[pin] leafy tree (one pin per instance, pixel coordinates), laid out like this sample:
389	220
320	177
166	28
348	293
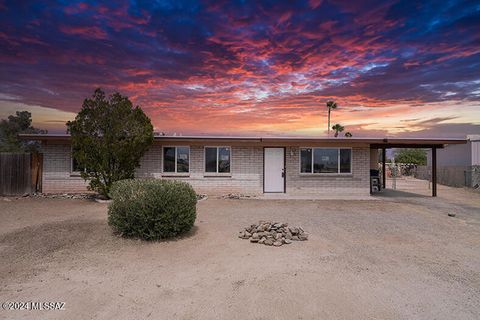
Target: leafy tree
330	105
413	156
380	157
11	127
109	137
338	128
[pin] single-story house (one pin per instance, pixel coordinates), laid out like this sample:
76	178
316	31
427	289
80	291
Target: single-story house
246	165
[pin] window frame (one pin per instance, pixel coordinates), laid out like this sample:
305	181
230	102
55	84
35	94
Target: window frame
338	173
216	173
176	159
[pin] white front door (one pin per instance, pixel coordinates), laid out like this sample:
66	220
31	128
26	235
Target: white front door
274	170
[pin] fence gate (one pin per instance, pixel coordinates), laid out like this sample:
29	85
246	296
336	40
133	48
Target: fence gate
20	173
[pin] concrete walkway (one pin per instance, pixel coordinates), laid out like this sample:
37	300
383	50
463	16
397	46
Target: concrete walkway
286	196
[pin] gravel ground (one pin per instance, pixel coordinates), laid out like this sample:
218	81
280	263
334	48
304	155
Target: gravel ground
398	258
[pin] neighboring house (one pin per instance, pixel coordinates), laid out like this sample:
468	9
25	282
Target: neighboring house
458	165
246	165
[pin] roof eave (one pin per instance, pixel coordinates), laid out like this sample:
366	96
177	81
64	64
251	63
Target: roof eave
380	142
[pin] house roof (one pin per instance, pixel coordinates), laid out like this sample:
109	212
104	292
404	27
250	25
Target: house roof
374	142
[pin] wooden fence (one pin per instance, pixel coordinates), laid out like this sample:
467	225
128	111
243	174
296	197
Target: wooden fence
20	173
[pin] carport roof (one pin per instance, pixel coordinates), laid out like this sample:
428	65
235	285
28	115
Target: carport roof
375	142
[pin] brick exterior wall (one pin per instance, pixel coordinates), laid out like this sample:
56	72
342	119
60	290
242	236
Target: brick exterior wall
57	176
246	168
246	172
357	183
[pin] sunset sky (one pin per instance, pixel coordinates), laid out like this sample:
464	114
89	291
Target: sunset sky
249	67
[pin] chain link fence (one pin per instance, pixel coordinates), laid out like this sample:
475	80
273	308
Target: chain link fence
454	176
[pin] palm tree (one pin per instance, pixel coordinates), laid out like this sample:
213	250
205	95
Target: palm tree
338	128
330	105
348	134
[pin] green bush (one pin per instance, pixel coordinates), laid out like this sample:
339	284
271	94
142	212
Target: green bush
152	209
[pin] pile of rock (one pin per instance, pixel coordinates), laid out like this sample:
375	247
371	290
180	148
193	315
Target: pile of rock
273	233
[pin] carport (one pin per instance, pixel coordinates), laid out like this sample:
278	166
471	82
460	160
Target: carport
420	143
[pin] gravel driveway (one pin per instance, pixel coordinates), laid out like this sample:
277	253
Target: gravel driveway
397	258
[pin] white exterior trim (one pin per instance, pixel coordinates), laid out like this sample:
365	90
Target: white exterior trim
216	173
176	173
338	173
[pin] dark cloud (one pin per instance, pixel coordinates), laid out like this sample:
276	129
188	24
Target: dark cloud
243	59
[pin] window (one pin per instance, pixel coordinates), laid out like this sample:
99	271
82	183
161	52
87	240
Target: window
325	160
176	159
306	160
217	159
345	160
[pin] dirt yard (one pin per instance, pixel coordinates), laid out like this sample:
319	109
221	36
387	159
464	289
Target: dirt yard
400	257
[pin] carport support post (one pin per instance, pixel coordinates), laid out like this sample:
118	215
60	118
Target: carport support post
434	171
384	173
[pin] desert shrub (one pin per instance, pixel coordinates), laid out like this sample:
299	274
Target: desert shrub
152	209
109	137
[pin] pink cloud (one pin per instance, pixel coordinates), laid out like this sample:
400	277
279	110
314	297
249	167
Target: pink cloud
91	32
315	3
76	8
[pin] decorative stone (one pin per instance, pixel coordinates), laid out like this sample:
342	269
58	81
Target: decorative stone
268	242
273	233
303	237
